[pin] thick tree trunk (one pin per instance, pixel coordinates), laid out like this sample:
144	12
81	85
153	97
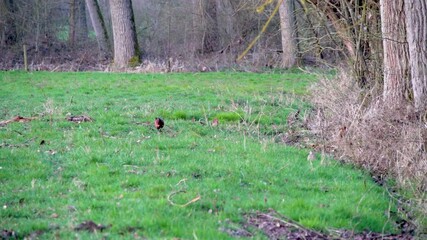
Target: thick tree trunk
396	68
416	27
81	22
77	22
72	24
225	21
211	36
197	23
98	24
287	28
126	50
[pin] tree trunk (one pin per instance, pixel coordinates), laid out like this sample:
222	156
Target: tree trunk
196	43
211	37
98	24
416	22
396	69
72	24
126	50
81	23
287	28
225	22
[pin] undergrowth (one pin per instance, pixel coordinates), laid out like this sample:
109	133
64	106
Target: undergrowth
389	141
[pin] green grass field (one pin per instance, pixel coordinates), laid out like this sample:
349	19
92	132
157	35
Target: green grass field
119	171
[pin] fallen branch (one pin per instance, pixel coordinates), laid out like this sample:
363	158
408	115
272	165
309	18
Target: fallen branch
181	205
16	119
287	221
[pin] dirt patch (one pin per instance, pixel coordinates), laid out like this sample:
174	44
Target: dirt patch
7	234
276	226
90	226
35	235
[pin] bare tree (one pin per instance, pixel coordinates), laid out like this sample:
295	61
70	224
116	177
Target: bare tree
196	27
416	22
99	27
354	24
126	50
287	29
211	36
396	68
72	23
81	21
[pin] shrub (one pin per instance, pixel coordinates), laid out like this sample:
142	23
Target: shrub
389	141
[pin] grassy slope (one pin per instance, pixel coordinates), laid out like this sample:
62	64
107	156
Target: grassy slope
118	170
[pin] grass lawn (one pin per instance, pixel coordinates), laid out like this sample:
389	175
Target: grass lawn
188	181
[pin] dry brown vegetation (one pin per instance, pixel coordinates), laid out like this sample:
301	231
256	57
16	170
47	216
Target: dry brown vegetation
389	141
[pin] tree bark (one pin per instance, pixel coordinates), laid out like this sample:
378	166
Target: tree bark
395	65
287	28
77	21
126	50
211	36
99	27
416	27
197	23
72	24
81	22
225	22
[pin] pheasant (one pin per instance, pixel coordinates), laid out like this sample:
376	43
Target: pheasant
215	122
159	123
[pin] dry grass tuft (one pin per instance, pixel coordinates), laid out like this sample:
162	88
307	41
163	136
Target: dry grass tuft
389	141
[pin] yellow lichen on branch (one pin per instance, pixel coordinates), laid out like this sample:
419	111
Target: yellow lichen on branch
264	28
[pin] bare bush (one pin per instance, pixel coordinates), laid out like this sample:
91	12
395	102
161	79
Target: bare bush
389	141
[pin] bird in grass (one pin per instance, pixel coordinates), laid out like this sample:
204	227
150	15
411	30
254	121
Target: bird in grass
215	122
159	123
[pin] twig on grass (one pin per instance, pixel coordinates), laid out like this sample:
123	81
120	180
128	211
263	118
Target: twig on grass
182	180
286	221
182	205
